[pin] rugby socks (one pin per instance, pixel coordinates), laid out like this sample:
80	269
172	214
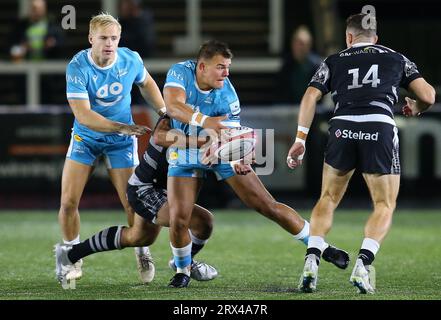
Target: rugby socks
72	242
140	251
315	245
369	249
197	244
105	240
303	235
182	258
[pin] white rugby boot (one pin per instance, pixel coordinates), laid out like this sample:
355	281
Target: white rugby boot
63	266
363	277
308	280
146	267
200	271
76	272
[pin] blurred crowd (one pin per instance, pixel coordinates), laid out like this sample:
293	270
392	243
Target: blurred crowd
38	36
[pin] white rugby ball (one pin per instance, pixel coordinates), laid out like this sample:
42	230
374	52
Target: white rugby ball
236	143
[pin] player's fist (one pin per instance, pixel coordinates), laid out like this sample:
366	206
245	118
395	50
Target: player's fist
295	154
241	169
410	108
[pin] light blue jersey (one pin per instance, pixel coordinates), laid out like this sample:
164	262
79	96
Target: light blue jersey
215	102
107	88
108	91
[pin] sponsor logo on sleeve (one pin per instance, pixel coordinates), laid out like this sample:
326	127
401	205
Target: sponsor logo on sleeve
235	107
176	75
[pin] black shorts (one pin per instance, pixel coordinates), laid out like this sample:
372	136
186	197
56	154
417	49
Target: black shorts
371	147
146	200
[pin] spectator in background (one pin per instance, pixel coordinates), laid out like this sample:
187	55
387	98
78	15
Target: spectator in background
138	32
298	67
36	37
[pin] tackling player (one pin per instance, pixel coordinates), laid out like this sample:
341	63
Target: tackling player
363	80
99	81
147	195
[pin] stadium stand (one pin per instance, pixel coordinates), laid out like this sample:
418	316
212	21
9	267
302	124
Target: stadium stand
247	29
76	39
246	32
7	13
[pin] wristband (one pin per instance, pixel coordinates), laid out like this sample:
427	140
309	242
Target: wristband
302	133
305	130
204	117
163	110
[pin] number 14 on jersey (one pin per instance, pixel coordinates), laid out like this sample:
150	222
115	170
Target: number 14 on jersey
371	77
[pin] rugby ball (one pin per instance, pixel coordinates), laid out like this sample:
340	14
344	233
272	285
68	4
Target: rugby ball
235	144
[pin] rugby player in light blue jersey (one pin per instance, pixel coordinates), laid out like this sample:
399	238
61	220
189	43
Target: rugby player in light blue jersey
198	94
99	81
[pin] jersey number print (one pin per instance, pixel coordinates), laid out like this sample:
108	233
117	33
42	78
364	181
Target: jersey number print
371	77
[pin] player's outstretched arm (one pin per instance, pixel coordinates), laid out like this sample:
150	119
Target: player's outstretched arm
132	129
177	109
306	115
151	93
93	120
425	97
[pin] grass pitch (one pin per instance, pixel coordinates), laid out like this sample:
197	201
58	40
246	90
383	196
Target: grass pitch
256	259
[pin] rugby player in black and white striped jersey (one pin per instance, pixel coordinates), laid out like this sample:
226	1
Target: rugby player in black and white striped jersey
363	81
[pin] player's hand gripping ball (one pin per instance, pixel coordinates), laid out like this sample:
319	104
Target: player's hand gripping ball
233	144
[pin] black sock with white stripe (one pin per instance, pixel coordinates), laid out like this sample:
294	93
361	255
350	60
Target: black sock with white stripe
105	240
366	256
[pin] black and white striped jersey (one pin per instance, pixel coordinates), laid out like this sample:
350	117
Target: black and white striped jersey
364	79
153	166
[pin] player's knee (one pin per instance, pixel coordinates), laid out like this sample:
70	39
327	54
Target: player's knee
68	205
385	205
329	199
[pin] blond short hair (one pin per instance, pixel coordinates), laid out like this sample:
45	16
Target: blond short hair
102	20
